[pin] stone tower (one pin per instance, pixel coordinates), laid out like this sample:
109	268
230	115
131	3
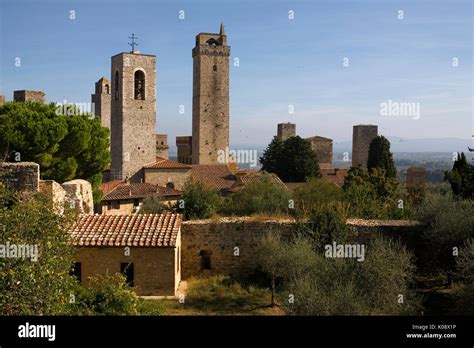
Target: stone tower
101	101
26	96
133	118
210	97
362	135
286	130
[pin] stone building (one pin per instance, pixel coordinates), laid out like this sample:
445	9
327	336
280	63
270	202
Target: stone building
2	100
127	198
322	147
133	114
185	149
362	135
162	148
146	248
25	96
286	130
416	176
167	173
101	101
210	129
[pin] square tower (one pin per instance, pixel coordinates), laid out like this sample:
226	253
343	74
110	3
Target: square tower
133	119
286	130
362	136
101	101
210	133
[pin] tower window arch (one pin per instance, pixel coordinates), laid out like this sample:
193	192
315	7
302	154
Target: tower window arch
116	85
106	87
212	42
139	85
214	68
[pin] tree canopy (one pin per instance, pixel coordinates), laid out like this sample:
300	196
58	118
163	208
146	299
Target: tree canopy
66	145
381	157
292	160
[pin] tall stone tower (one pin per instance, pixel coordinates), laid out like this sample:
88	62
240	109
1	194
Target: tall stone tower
210	97
101	101
286	130
133	120
362	135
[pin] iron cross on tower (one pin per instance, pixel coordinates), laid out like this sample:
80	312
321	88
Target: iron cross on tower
133	43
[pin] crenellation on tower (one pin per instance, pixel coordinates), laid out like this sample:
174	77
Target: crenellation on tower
210	129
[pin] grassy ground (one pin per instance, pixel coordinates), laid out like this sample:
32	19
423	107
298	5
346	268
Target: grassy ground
215	295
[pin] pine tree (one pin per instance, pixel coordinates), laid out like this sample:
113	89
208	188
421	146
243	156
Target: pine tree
381	157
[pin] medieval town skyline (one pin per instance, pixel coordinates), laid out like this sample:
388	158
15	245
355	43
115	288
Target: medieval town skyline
288	63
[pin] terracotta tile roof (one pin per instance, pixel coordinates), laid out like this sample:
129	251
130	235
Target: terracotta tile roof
138	190
162	163
217	176
106	187
137	230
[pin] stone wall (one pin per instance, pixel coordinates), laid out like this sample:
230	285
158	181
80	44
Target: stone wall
20	176
55	193
219	238
161	177
79	196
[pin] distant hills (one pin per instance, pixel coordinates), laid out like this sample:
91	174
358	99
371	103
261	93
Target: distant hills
399	144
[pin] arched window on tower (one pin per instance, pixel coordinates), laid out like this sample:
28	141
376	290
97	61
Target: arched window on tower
212	42
214	68
139	85
106	89
116	86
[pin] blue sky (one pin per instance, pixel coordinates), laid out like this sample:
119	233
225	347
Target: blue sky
282	61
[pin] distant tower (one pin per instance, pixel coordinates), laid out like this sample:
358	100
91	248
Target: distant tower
362	135
286	130
101	101
210	131
162	148
25	96
133	119
185	149
322	147
2	100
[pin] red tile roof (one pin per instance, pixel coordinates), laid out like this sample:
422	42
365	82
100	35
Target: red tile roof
108	186
162	163
137	230
217	176
139	190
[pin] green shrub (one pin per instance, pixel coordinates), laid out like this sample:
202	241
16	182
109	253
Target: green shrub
198	201
315	194
262	197
154	205
312	284
106	295
450	222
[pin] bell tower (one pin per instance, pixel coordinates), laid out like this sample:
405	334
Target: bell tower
133	114
210	131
